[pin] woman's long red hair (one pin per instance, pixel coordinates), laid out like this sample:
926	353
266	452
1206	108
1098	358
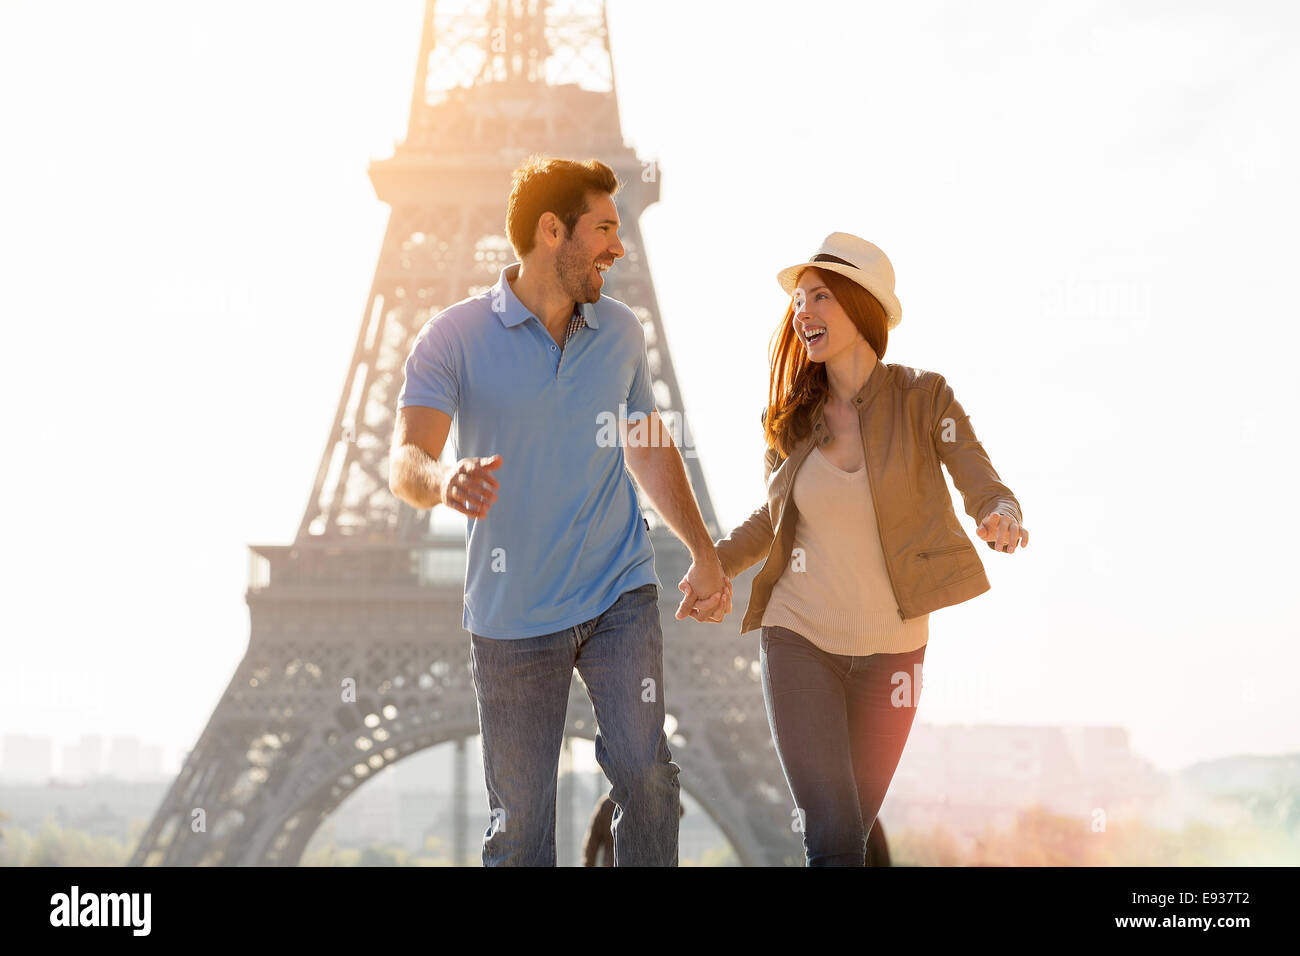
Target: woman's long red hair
797	384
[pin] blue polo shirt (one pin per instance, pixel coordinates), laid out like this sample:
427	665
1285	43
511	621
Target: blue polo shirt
565	536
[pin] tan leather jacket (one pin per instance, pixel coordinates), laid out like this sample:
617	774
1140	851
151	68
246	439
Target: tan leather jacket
910	422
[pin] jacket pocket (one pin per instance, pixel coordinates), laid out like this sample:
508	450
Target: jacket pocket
952	550
947	566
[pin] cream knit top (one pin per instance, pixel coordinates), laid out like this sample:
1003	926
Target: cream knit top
835	591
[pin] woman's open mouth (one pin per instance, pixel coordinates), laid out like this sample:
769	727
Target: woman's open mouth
812	336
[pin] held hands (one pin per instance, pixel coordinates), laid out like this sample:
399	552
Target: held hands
1003	532
705	577
468	486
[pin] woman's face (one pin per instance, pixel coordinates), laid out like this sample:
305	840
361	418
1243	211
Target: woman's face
822	325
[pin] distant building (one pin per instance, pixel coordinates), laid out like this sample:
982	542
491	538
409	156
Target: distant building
124	758
104	807
83	760
969	777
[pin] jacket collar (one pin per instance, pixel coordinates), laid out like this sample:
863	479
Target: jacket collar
512	312
875	381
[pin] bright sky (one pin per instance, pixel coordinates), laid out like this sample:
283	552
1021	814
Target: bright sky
1090	212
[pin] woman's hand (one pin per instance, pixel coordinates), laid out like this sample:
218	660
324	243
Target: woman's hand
703	609
704	606
1003	532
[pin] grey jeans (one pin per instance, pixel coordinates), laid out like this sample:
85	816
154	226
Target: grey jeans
522	688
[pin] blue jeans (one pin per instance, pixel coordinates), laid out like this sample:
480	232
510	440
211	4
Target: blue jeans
839	736
522	688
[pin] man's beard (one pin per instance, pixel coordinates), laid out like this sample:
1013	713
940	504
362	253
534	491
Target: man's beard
574	269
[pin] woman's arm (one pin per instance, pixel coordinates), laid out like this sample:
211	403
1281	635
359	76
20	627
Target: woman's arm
749	541
972	472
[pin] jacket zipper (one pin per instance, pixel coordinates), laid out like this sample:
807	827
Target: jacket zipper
785	503
789	493
926	554
875	506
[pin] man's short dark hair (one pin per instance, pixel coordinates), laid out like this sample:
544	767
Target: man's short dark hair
560	186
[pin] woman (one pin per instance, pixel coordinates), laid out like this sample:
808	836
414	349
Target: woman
860	539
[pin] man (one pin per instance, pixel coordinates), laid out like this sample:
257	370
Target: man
560	569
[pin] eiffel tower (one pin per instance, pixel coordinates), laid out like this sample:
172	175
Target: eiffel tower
368	596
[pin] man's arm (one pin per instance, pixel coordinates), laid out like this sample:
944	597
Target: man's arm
430	395
656	464
416	476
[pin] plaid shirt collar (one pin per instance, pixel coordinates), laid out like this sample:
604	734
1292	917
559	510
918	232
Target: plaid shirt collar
575	323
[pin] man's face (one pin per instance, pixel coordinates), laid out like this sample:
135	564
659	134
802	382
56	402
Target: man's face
592	248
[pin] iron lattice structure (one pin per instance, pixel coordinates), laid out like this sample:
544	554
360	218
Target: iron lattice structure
369	595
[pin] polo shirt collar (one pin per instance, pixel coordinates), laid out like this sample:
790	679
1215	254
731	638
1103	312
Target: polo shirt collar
513	311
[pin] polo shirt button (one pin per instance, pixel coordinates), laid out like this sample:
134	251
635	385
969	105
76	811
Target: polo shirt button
552	348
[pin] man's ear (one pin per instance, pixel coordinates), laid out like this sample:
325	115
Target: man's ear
550	231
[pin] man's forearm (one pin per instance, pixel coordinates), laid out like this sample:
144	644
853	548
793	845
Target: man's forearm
416	477
661	473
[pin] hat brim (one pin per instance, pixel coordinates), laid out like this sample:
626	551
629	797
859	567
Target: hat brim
789	278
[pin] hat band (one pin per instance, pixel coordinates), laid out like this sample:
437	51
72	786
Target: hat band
827	257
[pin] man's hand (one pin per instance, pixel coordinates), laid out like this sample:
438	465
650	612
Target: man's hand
468	486
702	611
705	577
1003	532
